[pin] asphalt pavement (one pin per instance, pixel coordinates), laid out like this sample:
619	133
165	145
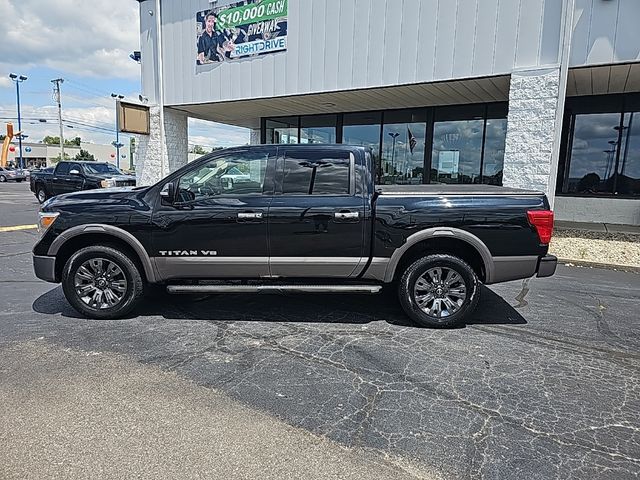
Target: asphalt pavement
544	383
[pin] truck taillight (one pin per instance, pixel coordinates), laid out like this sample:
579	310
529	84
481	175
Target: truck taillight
542	221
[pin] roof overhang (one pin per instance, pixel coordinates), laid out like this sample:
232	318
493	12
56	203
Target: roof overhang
247	113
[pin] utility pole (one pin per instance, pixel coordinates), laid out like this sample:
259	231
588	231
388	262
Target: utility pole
56	98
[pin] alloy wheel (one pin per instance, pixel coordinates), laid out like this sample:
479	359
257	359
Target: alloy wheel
440	292
100	283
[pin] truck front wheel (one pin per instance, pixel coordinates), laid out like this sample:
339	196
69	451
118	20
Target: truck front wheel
101	282
41	194
439	291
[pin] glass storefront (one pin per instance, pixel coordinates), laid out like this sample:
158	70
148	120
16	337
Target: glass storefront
601	147
458	144
318	129
403	145
363	129
282	130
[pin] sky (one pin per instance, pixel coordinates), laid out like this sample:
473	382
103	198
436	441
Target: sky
88	45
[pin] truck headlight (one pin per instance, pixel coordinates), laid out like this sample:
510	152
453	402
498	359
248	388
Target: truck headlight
108	183
45	220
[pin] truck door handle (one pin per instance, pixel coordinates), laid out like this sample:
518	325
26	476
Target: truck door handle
246	215
346	215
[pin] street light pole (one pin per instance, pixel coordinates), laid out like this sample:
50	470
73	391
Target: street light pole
393	135
57	98
18	79
117	143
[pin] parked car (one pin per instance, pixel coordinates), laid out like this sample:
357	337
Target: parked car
308	219
12	175
70	176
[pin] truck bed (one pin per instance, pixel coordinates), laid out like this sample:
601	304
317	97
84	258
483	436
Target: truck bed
447	189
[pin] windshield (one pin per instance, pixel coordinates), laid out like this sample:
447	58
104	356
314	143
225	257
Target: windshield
101	168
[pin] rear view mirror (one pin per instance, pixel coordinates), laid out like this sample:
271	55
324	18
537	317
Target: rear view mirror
168	193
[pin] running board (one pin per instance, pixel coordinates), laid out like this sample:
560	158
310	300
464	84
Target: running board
177	289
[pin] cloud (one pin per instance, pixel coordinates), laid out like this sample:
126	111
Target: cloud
5	82
84	38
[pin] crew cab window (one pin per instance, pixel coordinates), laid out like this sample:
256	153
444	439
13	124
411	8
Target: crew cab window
63	169
102	168
316	173
241	173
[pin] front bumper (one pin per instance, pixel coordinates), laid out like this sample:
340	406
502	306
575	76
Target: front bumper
45	268
547	266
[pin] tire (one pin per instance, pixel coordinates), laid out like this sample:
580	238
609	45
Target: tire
89	266
41	194
3	179
429	301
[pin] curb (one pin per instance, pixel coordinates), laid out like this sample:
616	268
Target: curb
605	266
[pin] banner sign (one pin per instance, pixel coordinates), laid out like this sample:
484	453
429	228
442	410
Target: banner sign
240	30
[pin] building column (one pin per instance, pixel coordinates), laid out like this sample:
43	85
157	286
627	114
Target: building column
255	136
157	157
533	131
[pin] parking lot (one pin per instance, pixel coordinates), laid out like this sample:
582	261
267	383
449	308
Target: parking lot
545	383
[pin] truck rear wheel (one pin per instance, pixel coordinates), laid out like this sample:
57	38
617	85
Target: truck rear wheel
439	291
101	282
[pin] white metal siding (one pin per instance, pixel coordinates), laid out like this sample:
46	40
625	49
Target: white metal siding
346	44
606	31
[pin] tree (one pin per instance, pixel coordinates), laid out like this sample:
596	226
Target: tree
2	137
197	149
57	159
84	156
49	140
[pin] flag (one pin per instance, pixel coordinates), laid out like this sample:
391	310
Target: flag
412	140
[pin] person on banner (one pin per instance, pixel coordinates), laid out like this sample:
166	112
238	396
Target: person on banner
209	42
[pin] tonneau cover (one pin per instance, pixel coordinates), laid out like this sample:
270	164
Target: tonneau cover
446	189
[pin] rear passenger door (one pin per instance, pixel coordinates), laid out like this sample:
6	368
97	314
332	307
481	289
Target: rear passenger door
316	219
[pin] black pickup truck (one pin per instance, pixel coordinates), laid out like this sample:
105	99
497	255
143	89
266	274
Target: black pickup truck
68	177
297	218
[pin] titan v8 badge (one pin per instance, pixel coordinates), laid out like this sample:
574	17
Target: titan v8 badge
188	253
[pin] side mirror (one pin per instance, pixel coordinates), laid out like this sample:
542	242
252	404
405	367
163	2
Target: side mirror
168	193
74	172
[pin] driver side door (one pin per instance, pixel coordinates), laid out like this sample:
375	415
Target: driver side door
217	225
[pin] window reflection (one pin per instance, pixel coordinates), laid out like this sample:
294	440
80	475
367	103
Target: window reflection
456	153
628	181
494	143
403	144
318	129
282	130
363	129
593	153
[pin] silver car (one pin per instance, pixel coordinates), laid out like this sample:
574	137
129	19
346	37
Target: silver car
12	175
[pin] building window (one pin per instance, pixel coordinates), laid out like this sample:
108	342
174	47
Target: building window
403	146
601	147
363	129
458	144
318	129
282	130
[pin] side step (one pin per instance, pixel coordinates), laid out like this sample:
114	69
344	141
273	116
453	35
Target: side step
177	289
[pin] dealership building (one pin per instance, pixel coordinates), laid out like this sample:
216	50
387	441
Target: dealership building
537	94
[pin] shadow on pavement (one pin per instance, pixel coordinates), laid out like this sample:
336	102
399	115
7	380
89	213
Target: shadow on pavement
354	309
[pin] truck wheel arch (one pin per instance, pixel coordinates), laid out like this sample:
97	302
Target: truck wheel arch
425	236
106	231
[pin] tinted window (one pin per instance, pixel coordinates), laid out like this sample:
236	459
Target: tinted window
240	173
63	169
102	168
316	173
